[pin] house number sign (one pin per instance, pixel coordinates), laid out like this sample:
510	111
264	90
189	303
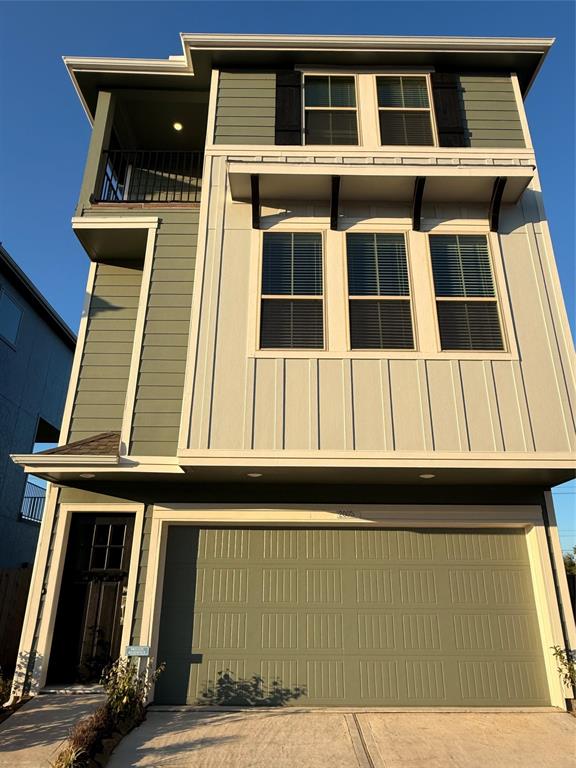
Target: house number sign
137	650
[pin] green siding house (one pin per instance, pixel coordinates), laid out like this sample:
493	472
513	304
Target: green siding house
324	380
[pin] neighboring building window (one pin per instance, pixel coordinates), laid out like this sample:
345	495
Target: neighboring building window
330	109
292	310
466	303
404	110
10	316
378	291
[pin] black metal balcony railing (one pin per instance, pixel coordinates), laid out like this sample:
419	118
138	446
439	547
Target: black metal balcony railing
146	176
33	502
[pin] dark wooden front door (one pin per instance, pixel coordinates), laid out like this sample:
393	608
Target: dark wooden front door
91	606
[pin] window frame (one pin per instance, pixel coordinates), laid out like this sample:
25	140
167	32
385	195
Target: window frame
429	109
304	297
408	297
497	298
357	109
5	339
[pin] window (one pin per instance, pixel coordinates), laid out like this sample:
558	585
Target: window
292	310
107	546
330	109
466	302
378	292
10	316
404	110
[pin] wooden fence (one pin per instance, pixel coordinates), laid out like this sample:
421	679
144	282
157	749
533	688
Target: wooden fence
14	585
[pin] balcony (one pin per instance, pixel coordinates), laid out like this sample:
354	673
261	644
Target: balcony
33	502
150	176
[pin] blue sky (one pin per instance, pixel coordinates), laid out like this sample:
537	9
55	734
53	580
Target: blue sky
44	133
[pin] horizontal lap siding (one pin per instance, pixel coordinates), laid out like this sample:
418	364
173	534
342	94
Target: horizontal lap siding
245	111
105	367
490	112
160	383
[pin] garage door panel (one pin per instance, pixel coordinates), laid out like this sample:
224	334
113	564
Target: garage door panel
355	616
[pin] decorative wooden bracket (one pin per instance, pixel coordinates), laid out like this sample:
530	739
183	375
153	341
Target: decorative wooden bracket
255	189
419	183
334	202
496	202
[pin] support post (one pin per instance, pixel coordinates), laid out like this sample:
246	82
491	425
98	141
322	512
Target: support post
255	190
334	202
496	202
99	141
419	183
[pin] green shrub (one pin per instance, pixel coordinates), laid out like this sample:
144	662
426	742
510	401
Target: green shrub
566	660
127	689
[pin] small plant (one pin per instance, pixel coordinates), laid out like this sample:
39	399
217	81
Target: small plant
68	757
566	660
127	689
252	692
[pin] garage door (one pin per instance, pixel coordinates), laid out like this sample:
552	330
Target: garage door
355	617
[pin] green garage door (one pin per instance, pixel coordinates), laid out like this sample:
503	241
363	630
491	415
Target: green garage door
356	617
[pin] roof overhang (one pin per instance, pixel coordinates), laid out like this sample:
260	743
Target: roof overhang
114	237
381	183
372	469
203	52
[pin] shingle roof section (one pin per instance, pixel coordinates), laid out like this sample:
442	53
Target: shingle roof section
104	444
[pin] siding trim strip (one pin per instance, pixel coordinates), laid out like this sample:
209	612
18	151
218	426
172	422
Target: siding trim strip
78	355
130	402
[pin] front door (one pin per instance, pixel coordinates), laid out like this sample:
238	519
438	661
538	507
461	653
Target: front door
91	606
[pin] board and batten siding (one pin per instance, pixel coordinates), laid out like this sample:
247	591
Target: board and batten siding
105	367
490	111
160	385
245	108
245	402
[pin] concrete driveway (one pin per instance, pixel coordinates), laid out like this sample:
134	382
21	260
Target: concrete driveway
286	738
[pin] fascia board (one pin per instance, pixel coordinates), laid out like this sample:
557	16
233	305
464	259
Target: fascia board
366	42
31	460
115	222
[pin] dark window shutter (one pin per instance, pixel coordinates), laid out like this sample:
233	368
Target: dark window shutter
288	107
449	113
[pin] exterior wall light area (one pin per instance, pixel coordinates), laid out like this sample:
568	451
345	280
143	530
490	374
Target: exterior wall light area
254	474
427	476
177	126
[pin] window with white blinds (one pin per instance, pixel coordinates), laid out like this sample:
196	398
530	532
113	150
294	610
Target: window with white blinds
292	305
378	291
330	109
404	110
466	302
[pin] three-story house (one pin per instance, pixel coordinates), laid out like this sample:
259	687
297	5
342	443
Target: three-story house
324	380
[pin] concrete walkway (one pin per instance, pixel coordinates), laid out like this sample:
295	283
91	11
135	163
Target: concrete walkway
287	738
32	736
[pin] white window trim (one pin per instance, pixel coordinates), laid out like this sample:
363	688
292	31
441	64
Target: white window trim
278	351
422	295
505	327
430	109
357	109
408	297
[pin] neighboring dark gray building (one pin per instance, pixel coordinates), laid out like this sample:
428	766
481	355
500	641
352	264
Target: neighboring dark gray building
36	351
